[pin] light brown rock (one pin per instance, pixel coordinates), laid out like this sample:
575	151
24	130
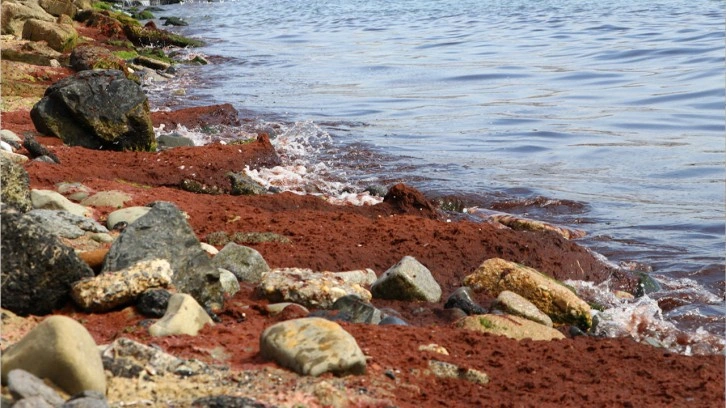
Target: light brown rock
60	37
183	316
514	327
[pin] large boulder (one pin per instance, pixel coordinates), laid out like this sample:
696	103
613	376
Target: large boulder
97	109
164	233
15	14
550	296
59	7
37	269
245	263
14	185
60	37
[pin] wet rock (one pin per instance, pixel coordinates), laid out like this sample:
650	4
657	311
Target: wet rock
37	269
526	224
23	384
63	351
407	280
60	37
242	184
514	327
551	297
97	109
358	310
512	303
15	15
310	289
51	200
38	150
111	198
463	298
174	21
110	290
406	199
127	215
230	284
312	346
65	224
245	263
164	233
152	63
646	284
226	401
183	316
149	35
153	302
14	185
442	369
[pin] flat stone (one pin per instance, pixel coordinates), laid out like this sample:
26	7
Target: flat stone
65	224
245	263
110	290
358	310
514	327
23	384
308	288
32	402
127	215
183	316
407	280
61	350
548	295
51	200
312	346
512	303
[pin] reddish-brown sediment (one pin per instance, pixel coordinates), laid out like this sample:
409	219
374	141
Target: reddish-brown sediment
583	371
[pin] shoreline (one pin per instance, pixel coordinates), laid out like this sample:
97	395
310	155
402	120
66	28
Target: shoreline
573	372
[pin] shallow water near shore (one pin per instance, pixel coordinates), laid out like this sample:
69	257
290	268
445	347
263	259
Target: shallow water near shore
607	118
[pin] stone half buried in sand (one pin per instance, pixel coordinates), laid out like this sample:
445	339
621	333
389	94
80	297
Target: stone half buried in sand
407	280
514	327
313	346
314	289
61	350
551	297
96	109
183	316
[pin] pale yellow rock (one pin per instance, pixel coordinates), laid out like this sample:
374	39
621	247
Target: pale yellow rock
551	297
514	327
183	316
61	350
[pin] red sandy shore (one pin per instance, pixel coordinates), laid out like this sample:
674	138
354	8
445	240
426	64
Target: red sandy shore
583	371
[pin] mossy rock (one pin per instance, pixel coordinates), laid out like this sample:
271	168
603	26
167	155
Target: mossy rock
148	36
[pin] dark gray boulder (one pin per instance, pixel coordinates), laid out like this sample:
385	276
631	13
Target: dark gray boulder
37	269
97	109
163	233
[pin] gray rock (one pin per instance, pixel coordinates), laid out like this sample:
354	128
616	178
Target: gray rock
392	321
442	369
37	150
63	351
64	224
153	302
97	109
110	290
73	190
111	198
308	288
164	233
407	280
227	401
9	136
32	402
229	282
514	304
242	184
183	316
358	310
51	200
312	346
14	185
127	215
82	401
127	358
245	263
23	384
463	298
37	269
173	140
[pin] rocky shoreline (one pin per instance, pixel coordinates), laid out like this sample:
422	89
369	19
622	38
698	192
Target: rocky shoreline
141	271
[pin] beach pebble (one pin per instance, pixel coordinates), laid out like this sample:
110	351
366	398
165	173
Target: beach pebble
23	384
51	200
110	290
32	402
74	191
183	316
87	399
8	136
229	282
392	321
310	289
153	302
442	369
407	280
357	310
463	298
512	303
562	305
63	351
14	157
245	263
312	346
514	327
127	215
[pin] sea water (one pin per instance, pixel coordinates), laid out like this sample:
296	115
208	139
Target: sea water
603	116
